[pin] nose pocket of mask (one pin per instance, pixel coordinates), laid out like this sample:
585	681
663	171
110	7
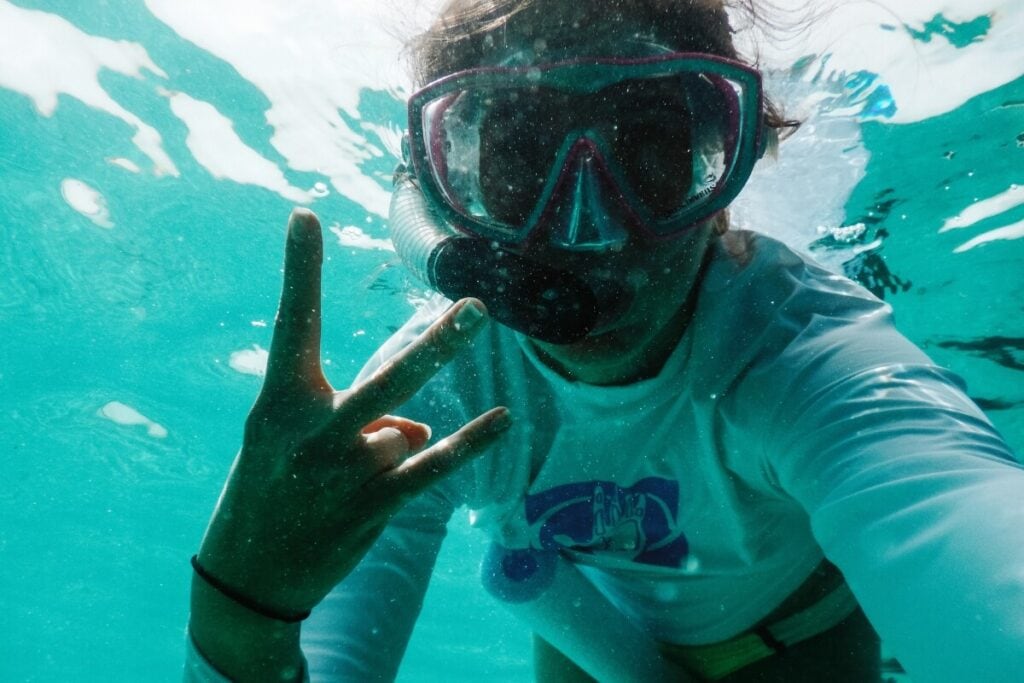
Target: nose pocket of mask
583	214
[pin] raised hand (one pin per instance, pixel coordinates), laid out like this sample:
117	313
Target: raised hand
320	471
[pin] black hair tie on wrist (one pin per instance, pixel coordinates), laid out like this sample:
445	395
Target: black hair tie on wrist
242	600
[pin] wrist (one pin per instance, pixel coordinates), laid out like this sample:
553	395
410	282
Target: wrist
242	644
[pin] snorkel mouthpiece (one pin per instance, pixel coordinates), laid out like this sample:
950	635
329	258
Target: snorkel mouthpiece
545	303
541	302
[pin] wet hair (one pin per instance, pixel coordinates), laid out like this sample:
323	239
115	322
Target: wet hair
467	33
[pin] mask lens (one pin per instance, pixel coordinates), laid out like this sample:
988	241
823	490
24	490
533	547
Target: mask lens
669	141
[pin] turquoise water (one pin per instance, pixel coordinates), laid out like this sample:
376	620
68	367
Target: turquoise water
140	273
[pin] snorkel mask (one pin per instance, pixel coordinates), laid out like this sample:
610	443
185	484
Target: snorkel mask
582	156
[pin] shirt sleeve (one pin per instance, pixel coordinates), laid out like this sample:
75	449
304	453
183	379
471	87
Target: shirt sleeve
359	632
919	501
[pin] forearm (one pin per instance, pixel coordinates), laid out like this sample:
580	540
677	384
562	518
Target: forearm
241	644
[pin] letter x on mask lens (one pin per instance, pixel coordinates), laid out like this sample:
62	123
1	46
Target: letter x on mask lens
581	153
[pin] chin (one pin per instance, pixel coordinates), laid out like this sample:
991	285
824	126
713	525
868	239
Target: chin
611	345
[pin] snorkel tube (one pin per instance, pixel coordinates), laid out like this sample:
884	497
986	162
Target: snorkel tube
542	302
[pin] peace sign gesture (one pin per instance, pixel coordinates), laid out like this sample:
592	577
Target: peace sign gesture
320	471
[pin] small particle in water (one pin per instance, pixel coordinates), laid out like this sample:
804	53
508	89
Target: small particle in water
1020	140
359	333
692	565
950	154
577	603
319	190
259	323
714	396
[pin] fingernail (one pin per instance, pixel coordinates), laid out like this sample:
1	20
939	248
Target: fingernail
302	222
502	420
469	316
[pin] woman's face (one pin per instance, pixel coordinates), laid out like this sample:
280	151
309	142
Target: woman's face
659	277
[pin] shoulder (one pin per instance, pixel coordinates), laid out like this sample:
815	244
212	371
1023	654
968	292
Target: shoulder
778	314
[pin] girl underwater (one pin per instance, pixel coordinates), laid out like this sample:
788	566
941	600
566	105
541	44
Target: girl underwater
697	455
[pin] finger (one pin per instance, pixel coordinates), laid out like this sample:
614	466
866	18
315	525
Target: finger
295	349
444	457
396	381
416	433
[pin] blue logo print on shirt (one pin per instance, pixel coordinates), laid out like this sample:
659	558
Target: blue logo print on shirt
599	516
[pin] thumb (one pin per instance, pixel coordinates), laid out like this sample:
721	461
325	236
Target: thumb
416	433
389	445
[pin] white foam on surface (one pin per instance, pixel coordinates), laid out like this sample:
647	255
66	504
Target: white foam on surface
987	208
1009	232
87	201
310	58
354	237
124	414
250	361
802	194
44	56
926	78
218	148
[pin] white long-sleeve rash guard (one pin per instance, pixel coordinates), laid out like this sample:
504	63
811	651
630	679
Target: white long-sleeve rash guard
791	421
